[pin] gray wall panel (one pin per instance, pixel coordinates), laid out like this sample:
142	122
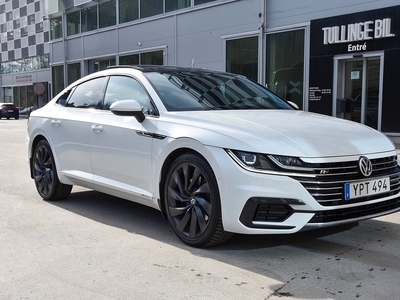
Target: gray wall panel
74	48
149	34
57	52
100	44
288	12
200	32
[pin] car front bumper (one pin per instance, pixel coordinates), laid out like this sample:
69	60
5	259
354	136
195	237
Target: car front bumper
255	203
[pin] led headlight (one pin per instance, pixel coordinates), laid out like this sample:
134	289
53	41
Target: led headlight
289	162
258	161
251	160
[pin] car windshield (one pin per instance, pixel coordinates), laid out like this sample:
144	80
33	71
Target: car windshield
197	90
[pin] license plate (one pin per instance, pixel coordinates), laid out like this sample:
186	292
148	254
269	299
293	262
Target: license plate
366	188
10	110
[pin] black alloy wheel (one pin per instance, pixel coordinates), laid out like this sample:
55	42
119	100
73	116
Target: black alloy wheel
45	174
193	203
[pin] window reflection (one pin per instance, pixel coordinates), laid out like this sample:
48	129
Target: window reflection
285	65
242	57
25	64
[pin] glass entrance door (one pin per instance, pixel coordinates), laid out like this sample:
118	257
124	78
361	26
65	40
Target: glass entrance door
359	90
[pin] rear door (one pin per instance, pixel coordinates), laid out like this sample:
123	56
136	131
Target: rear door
71	127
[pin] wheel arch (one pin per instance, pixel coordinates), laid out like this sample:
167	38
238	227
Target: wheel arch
35	141
164	170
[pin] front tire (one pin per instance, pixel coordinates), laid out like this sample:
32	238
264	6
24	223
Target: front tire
193	203
45	174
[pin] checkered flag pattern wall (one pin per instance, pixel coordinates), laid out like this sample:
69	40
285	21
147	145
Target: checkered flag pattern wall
24	32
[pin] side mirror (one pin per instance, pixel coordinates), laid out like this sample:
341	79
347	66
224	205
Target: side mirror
130	108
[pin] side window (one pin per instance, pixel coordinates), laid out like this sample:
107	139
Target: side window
88	94
62	100
126	88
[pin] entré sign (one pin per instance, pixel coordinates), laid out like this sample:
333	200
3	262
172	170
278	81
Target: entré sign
373	30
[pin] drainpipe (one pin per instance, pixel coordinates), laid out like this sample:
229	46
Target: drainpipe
261	43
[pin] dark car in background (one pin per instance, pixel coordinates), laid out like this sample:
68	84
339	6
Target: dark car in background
9	110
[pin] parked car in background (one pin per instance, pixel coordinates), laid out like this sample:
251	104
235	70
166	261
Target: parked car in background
9	110
26	110
216	153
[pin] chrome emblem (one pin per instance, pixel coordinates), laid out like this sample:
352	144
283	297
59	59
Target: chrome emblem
365	166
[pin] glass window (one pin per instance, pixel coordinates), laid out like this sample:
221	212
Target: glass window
62	100
74	72
242	57
147	58
171	5
152	58
89	19
98	65
285	65
128	10
129	59
57	75
56	28
206	90
126	88
107	14
150	8
73	22
44	61
198	2
88	94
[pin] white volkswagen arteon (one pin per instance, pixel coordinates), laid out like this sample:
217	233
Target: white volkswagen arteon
215	152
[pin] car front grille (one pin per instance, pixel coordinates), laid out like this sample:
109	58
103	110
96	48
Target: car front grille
327	185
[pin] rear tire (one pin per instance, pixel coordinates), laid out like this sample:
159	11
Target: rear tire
45	174
193	203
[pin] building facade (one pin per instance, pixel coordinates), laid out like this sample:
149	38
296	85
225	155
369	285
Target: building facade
338	58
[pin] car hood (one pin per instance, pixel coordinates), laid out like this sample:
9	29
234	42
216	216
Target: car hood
283	132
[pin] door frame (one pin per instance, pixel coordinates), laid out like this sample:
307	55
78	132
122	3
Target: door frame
338	79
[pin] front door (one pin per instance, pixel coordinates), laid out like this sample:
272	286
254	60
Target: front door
359	90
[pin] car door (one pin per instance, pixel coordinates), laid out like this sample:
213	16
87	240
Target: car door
71	126
121	146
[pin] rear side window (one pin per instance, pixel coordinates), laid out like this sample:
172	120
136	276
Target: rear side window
62	100
88	94
8	106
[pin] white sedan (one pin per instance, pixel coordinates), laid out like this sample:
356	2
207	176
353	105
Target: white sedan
215	152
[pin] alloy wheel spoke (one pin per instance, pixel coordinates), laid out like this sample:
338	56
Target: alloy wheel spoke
193	224
178	182
177	211
176	195
200	219
194	178
205	205
182	224
202	189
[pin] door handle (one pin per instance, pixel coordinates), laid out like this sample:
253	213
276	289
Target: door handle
97	128
56	123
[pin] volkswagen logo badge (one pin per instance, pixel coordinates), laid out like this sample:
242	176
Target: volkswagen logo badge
365	166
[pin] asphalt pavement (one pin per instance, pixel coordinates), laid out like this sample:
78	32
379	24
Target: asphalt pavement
93	246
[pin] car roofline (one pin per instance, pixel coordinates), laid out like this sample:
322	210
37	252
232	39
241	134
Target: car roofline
166	69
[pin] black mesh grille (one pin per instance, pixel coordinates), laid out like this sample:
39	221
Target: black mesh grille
361	211
272	213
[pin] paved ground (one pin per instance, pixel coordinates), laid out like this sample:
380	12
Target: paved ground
93	246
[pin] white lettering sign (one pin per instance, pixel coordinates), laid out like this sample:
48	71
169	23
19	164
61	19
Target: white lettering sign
357	32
